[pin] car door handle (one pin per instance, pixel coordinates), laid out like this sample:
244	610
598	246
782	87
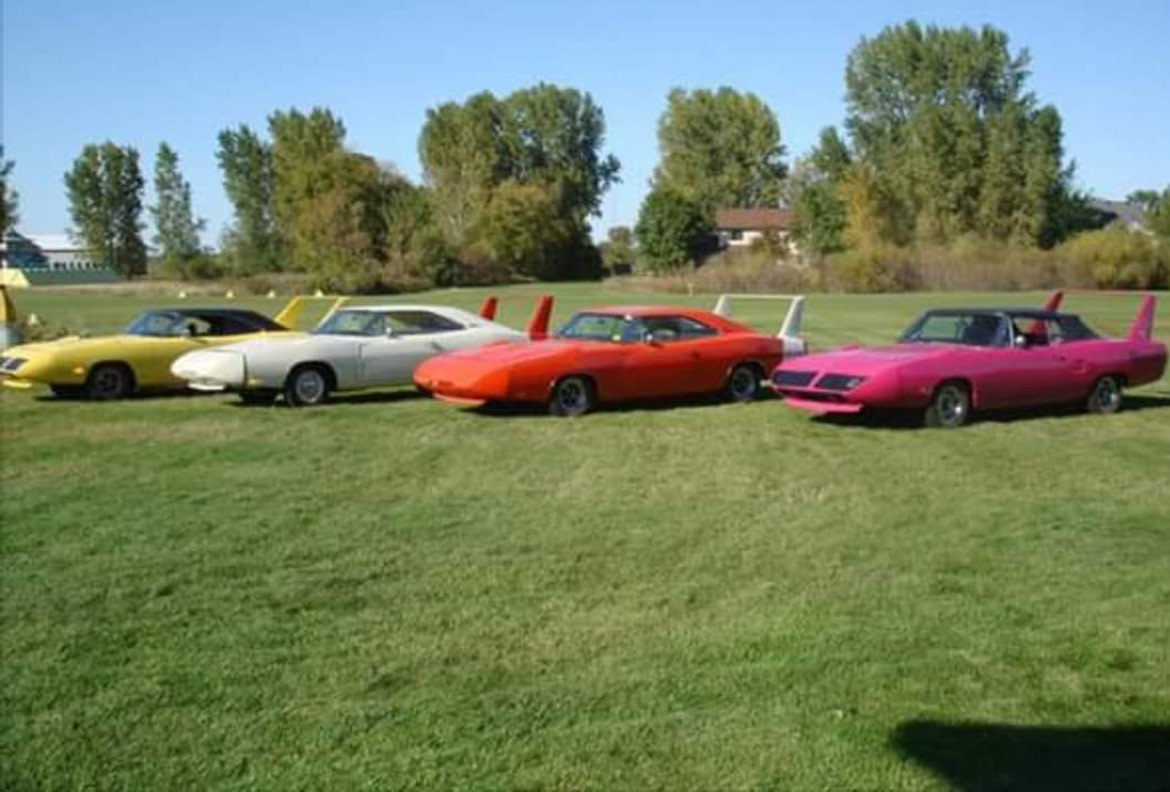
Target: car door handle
436	345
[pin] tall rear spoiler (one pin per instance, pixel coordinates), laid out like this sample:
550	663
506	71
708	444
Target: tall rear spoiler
290	313
789	331
9	326
537	328
1142	328
488	309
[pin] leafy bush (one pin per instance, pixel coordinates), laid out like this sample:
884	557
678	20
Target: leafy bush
670	231
1115	258
877	269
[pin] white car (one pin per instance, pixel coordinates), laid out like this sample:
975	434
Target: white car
369	346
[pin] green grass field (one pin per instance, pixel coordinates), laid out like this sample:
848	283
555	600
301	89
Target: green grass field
388	593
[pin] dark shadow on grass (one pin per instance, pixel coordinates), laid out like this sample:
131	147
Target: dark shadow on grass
506	409
988	757
141	396
912	419
338	400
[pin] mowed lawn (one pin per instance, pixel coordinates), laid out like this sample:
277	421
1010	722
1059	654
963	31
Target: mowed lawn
389	593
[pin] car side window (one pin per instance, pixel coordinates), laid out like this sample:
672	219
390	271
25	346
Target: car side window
690	328
419	323
675	328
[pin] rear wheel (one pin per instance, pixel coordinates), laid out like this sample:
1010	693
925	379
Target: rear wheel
950	406
1105	398
307	386
109	381
743	384
572	396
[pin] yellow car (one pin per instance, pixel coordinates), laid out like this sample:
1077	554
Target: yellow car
111	367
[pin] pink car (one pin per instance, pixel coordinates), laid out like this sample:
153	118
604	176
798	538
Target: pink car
955	360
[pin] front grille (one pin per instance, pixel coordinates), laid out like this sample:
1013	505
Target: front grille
832	398
839	382
795	379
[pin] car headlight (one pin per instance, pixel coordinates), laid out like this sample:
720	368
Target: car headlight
839	382
11	363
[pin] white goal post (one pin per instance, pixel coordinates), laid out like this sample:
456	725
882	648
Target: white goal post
789	329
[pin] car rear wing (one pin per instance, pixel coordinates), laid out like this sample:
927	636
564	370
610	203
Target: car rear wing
9	326
537	328
488	309
789	331
1142	328
289	315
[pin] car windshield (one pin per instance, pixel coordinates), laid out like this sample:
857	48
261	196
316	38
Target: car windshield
970	329
158	324
353	323
603	327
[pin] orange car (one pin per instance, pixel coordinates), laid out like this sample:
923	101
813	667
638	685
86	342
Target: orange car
616	354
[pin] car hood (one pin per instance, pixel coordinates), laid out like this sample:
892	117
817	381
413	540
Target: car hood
869	361
294	344
511	353
68	344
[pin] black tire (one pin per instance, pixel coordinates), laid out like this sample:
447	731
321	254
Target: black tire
743	383
307	386
258	397
67	391
950	406
572	396
1105	397
109	381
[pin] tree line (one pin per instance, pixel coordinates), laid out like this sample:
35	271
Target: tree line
942	141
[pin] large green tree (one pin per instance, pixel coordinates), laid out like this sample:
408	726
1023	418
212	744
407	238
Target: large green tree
671	230
544	137
330	202
814	189
942	120
104	188
253	242
617	251
8	197
720	149
177	228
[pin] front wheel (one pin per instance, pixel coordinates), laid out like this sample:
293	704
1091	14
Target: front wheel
950	407
109	381
743	384
307	386
571	397
1105	398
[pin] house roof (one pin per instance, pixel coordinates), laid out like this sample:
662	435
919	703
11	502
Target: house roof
1128	214
753	219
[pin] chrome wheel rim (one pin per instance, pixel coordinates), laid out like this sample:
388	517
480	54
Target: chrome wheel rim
572	396
951	406
1108	394
310	386
743	384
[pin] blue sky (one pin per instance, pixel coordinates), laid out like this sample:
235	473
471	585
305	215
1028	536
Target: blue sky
142	72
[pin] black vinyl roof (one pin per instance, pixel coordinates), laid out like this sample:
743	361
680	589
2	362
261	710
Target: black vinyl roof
1030	313
238	314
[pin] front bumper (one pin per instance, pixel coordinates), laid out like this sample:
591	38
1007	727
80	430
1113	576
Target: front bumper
823	407
211	370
